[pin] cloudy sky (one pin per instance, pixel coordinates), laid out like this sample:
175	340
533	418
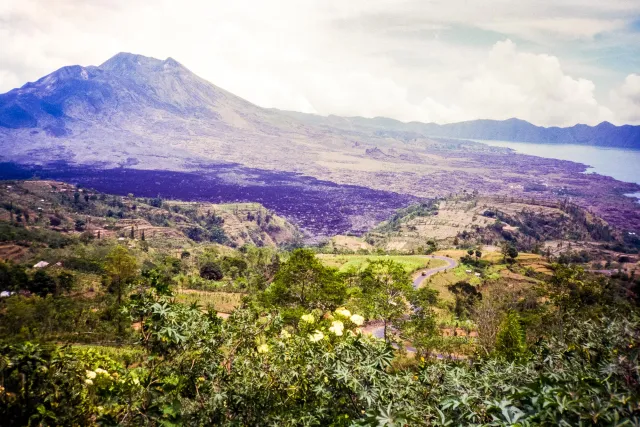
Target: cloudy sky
552	62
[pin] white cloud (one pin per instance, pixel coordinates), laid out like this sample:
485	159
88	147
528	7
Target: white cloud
626	100
356	57
534	87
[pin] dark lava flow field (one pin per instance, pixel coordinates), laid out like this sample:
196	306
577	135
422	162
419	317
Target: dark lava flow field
320	208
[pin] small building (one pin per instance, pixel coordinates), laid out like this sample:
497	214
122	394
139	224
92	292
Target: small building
41	264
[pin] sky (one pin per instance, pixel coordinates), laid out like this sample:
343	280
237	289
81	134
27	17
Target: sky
551	62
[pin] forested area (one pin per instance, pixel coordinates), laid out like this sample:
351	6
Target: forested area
294	353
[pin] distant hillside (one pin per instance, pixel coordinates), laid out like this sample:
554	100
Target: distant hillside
469	220
605	134
50	206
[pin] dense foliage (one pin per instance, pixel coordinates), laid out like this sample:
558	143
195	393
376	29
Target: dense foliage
251	370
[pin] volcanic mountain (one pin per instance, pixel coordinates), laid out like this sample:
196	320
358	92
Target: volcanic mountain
138	110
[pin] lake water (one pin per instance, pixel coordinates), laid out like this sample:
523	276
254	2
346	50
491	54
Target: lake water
619	163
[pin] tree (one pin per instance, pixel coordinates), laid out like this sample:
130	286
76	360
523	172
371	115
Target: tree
509	252
87	236
132	233
211	271
12	277
385	288
42	283
510	340
421	328
478	253
234	266
303	281
466	297
470	252
80	225
66	281
121	269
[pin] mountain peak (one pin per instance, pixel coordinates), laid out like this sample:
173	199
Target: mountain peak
124	63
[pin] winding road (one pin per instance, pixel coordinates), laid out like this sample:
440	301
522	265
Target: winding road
428	272
422	274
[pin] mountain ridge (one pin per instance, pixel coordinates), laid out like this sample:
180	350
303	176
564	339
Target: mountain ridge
514	129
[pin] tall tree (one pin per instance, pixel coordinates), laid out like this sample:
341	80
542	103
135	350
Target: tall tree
466	296
121	269
386	287
510	340
421	327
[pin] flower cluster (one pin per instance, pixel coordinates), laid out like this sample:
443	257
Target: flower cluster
357	320
316	336
337	327
343	312
308	318
92	375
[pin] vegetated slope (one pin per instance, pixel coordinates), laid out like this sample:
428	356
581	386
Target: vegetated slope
469	220
604	134
56	210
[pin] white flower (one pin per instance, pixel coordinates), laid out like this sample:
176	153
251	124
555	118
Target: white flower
263	348
91	375
357	319
101	371
316	336
88	382
337	327
343	312
285	335
308	318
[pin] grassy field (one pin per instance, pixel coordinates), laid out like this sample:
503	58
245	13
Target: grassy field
440	281
223	302
410	263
